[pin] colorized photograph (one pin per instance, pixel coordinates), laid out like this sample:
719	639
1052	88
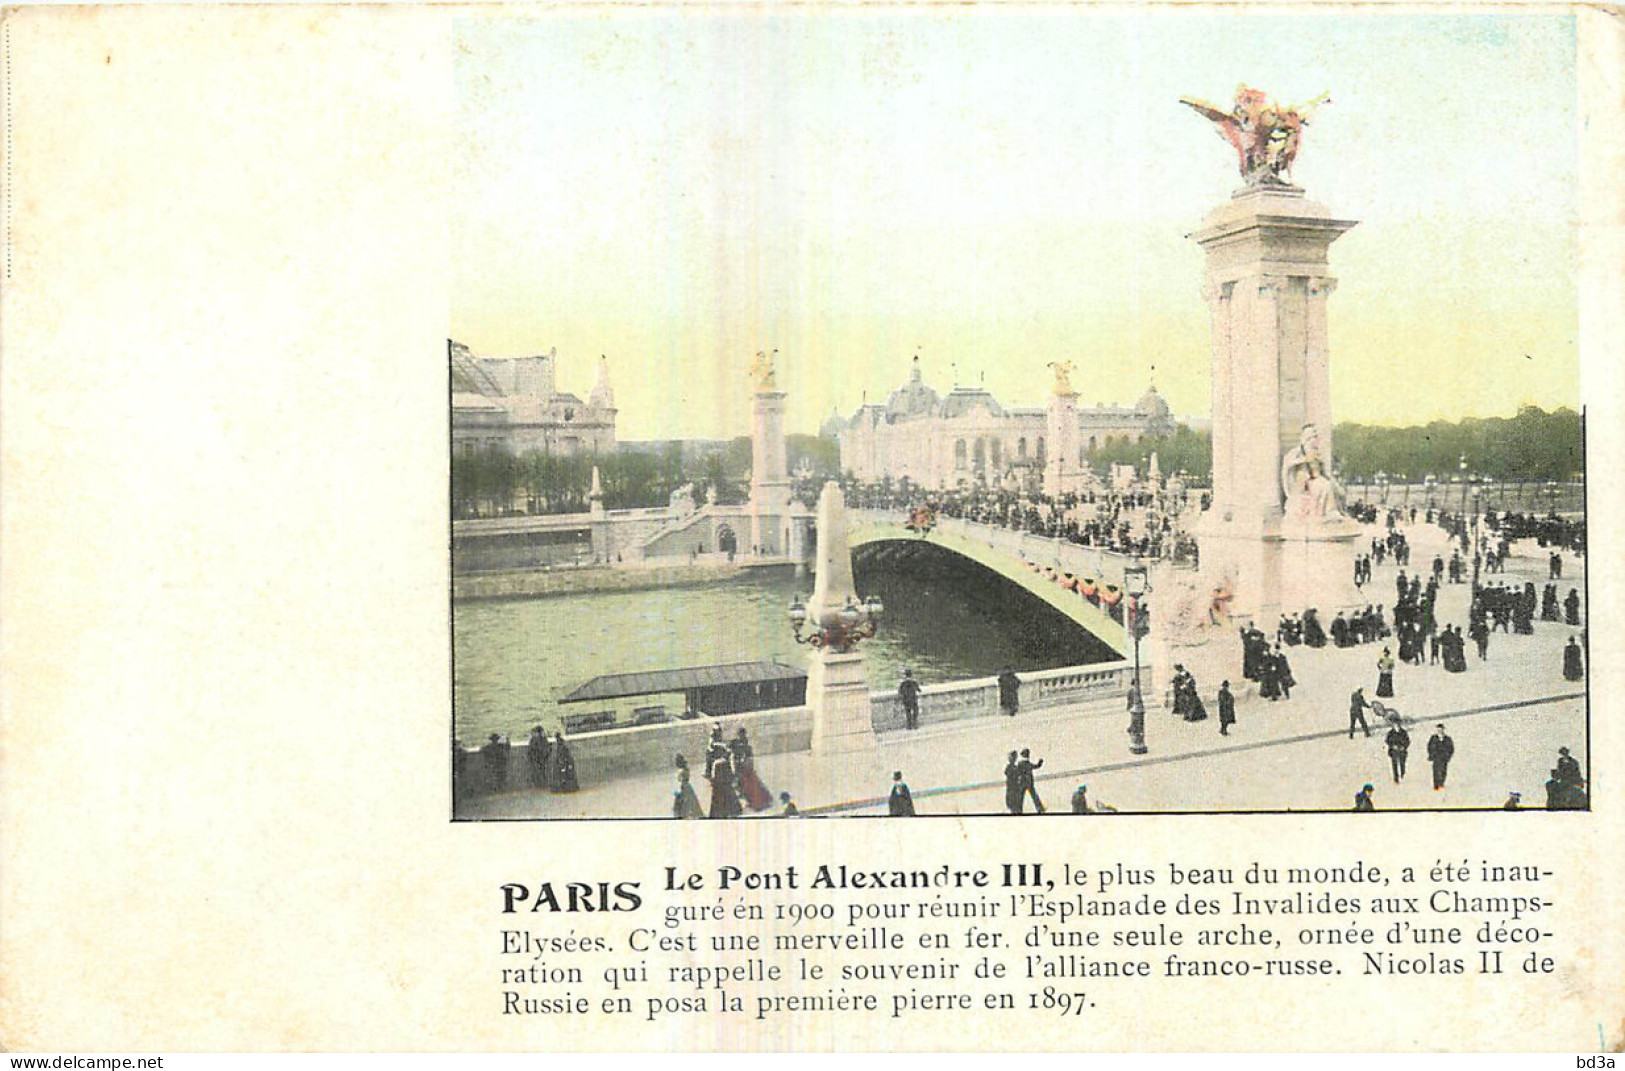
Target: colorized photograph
916	413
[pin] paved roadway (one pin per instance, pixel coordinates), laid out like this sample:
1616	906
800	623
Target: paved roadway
1508	717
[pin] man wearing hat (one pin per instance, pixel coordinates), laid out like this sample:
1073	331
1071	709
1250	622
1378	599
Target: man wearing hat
1357	709
1362	799
909	692
1024	780
1441	749
1568	769
901	803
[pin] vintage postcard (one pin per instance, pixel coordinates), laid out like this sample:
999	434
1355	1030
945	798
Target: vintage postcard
582	526
1008	443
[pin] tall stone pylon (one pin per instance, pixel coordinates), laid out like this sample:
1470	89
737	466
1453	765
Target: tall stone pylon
1267	285
1061	468
769	470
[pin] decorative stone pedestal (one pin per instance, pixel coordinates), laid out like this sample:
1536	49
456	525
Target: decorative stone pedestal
1317	568
838	692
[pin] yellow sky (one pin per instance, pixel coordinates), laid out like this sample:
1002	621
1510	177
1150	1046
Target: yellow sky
996	190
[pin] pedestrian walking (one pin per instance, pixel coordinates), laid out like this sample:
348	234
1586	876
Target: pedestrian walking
1009	692
1358	705
685	801
1441	749
494	757
1399	749
1025	781
901	802
1227	709
537	756
563	775
1385	675
1573	661
908	690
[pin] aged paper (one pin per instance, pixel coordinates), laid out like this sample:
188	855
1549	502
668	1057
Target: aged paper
263	268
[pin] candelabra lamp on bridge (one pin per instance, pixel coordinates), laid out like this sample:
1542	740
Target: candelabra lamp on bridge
839	630
1136	582
837	689
1478	543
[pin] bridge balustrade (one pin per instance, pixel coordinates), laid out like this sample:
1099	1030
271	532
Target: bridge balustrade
979	697
1074	558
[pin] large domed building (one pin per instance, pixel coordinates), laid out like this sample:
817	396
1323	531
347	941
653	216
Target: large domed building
967	436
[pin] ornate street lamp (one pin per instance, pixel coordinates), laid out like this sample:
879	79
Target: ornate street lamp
839	630
839	618
1136	582
1478	514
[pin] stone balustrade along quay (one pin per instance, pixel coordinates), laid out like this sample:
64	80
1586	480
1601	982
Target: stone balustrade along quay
633	751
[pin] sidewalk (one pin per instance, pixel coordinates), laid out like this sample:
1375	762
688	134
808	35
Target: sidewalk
1282	756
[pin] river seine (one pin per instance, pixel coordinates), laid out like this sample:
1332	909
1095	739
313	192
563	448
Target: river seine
514	658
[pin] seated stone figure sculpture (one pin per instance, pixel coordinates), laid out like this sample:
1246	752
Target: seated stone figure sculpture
1310	492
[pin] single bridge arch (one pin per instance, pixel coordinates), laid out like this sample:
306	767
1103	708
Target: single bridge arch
870	535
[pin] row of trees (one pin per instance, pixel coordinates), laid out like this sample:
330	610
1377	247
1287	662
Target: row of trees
1535	445
1184	449
498	482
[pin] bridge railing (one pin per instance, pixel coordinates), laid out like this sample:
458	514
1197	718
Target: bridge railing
979	697
1098	562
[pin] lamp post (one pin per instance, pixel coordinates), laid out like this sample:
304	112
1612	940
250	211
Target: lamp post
1478	511
841	631
1136	582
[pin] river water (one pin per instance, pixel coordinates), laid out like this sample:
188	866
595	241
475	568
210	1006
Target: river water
514	658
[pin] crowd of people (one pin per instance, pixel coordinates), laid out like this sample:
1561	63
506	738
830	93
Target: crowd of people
1147	522
730	768
1142	521
1565	790
1268	666
549	765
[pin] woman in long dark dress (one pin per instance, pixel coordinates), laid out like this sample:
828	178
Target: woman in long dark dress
1194	709
537	755
1571	608
719	770
1548	604
1523	612
1013	792
754	793
564	767
686	803
1313	634
1182	702
1573	661
1455	650
1269	679
1283	674
1385	675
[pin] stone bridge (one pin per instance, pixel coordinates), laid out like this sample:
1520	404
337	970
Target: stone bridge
1034	563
